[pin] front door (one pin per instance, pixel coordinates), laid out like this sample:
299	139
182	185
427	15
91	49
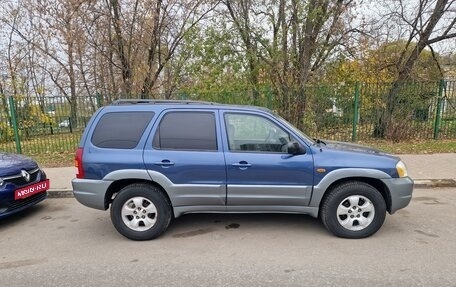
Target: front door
259	169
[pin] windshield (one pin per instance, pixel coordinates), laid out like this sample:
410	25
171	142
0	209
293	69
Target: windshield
295	130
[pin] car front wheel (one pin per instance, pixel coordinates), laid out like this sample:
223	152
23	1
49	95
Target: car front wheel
140	212
353	210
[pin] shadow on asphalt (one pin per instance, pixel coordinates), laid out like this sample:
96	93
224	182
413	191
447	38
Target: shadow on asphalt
185	226
21	216
205	222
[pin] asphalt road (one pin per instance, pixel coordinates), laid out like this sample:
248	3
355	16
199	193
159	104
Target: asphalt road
62	243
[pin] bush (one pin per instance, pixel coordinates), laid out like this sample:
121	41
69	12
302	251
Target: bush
6	132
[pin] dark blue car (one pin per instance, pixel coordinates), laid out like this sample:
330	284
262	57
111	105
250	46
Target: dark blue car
22	183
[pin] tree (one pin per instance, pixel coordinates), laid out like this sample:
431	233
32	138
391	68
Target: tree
379	65
293	40
56	23
240	13
209	62
18	78
146	35
430	22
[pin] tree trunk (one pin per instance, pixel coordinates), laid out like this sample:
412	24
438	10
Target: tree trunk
386	115
120	45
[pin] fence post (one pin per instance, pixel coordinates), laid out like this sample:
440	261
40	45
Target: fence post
355	113
15	125
99	100
439	110
269	96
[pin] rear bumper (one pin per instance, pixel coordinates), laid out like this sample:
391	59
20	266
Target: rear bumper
401	190
90	192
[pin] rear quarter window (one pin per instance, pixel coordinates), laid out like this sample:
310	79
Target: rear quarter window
120	130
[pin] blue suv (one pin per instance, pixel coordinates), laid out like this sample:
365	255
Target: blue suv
151	160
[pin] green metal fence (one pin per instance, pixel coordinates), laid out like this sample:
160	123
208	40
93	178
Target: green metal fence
347	112
43	125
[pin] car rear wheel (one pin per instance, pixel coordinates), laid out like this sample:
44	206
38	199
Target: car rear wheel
140	212
353	210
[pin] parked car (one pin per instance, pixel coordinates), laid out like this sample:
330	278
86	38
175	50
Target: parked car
64	124
153	160
22	183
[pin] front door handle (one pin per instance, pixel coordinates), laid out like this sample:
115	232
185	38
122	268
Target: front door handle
164	163
242	165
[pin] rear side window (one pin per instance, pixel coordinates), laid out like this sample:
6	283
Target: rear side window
186	131
120	130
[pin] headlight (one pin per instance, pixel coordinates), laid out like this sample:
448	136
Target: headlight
1	182
401	169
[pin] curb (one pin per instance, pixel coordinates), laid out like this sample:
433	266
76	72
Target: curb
433	183
419	184
60	193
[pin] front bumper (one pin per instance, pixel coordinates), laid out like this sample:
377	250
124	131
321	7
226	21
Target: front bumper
13	207
10	206
400	190
91	192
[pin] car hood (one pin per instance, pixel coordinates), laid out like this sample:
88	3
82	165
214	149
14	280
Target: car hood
11	164
351	147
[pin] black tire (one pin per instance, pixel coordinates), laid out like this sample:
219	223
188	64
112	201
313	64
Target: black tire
342	196
145	213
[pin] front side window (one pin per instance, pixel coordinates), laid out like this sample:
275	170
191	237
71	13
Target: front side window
186	131
120	130
253	133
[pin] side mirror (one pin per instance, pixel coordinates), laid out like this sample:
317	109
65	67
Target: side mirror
295	148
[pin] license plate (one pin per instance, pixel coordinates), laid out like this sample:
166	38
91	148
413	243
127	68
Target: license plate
31	189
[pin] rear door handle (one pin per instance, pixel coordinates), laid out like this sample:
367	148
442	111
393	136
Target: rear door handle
164	163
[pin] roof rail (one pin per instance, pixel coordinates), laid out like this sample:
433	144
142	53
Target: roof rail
155	101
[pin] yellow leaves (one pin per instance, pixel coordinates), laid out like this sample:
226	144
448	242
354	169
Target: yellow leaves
381	65
31	116
40	90
6	131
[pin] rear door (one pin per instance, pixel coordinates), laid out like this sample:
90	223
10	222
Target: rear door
259	169
184	153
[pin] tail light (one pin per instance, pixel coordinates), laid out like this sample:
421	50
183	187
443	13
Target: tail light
78	163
